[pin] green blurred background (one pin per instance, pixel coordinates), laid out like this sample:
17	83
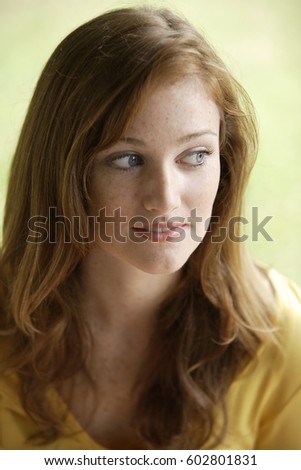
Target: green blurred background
261	43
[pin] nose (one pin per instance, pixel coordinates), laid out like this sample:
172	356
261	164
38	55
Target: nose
162	190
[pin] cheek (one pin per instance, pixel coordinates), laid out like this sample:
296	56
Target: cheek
203	191
101	190
112	197
202	205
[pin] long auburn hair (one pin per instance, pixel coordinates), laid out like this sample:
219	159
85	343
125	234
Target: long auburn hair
214	322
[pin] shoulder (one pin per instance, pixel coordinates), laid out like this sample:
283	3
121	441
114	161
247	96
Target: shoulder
17	428
286	291
265	400
13	422
280	355
280	359
288	322
279	426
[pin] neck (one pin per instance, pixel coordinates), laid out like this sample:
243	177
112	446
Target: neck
120	294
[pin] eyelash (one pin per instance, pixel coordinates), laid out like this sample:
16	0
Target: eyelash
204	153
124	155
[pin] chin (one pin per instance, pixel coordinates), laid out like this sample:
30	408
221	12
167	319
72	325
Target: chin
161	269
162	264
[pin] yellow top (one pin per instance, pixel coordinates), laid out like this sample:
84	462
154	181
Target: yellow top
264	403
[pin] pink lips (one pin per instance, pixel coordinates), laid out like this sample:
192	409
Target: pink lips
160	232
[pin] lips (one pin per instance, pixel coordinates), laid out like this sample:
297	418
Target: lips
153	230
161	231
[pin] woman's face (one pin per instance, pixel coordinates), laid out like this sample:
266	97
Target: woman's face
154	189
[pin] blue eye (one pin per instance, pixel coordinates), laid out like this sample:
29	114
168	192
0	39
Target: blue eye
127	161
195	159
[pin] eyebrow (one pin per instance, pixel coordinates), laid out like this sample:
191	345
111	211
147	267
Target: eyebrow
181	140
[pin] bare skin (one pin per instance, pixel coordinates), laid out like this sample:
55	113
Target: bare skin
121	339
124	284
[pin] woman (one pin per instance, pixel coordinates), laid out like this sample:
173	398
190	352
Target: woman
129	320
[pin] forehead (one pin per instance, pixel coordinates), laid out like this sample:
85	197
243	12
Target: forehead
175	106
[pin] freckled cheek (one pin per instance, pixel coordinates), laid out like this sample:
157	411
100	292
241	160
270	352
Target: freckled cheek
112	198
213	179
202	193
